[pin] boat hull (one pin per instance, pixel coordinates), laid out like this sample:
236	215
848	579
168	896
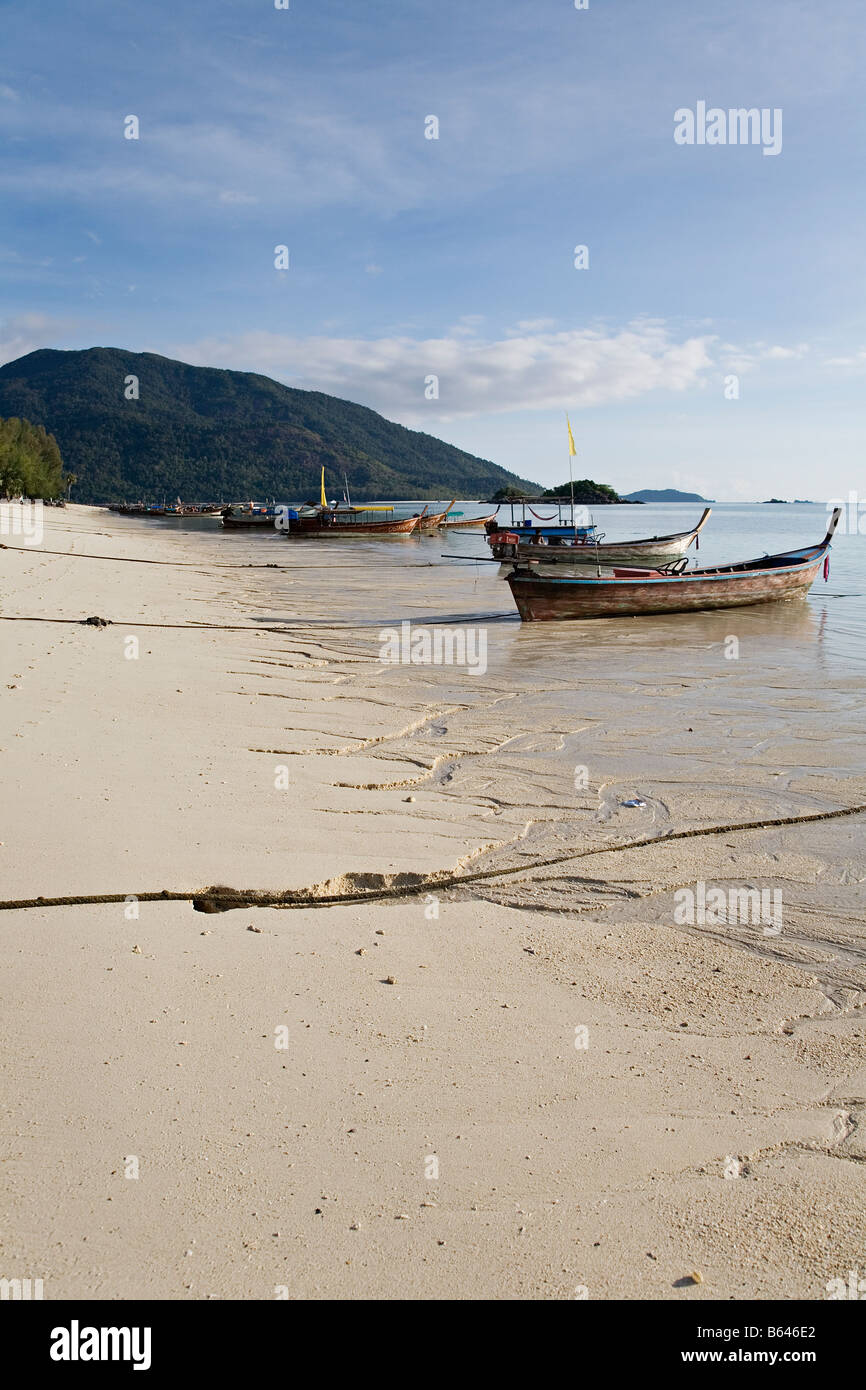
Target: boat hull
544	600
432	523
474	523
304	528
243	523
654	550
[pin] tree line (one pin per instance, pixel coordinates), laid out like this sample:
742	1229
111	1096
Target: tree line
30	461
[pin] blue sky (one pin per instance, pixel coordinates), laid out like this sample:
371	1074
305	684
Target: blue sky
412	257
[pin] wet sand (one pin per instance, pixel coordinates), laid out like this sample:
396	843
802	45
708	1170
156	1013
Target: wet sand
712	1117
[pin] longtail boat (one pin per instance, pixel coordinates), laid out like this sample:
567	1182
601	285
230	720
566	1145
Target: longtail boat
242	517
430	523
326	521
590	550
459	523
329	519
634	592
552	525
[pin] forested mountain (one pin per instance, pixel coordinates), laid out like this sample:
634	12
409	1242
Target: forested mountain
135	425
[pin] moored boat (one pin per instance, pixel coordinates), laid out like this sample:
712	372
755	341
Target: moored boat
350	521
330	519
237	518
634	592
465	524
430	523
592	550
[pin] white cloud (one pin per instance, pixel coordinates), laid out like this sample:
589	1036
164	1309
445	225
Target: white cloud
26	332
529	371
746	356
856	360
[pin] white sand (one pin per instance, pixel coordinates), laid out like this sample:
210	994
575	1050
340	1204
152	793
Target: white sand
710	1049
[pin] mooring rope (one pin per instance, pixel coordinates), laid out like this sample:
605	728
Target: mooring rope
223	899
185	564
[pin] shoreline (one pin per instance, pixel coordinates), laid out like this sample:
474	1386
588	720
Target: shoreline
709	1123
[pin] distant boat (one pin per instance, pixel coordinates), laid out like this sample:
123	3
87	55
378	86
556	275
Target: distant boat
350	521
634	592
592	551
430	523
328	519
241	517
462	524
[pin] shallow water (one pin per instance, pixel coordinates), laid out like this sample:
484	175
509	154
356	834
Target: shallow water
418	579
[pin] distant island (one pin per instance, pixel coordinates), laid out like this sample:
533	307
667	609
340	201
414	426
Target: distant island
133	425
665	494
585	491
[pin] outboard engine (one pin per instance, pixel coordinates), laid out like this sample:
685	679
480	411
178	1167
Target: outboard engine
504	544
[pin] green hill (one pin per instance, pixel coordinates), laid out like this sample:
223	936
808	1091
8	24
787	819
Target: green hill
204	434
585	491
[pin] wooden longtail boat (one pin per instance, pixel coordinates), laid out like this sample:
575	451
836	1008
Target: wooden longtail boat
654	550
329	519
250	516
318	521
554	526
430	523
631	593
462	525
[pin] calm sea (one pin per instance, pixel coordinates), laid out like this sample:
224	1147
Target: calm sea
379	582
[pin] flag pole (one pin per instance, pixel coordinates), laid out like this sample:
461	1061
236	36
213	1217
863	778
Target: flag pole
571	475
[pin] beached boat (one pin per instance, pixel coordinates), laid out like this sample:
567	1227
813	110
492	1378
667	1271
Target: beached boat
462	524
592	550
634	592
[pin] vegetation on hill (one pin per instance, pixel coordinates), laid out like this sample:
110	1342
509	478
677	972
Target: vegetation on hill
136	425
30	461
585	491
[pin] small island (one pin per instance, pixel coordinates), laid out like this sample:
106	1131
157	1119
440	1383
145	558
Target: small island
584	490
665	494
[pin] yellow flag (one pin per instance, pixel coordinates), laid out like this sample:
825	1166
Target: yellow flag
324	498
571	448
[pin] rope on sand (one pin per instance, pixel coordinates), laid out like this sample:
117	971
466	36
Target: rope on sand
183	564
222	899
135	622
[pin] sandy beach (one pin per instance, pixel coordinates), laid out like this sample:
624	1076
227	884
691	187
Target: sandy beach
537	1084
